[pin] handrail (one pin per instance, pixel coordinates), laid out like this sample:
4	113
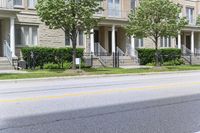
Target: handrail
99	50
101	53
120	52
7	51
197	51
133	53
185	50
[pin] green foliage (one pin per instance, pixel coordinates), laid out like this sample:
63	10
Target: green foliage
175	62
43	55
69	15
147	55
66	65
198	20
155	19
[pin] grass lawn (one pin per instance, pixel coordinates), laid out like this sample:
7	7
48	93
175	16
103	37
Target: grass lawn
93	71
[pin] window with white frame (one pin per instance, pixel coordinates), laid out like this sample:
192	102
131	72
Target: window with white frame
18	3
26	35
133	4
165	42
32	3
80	40
80	37
139	43
114	8
189	14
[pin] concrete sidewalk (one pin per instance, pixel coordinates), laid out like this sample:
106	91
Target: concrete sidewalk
11	71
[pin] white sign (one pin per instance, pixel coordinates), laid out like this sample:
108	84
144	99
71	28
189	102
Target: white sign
78	61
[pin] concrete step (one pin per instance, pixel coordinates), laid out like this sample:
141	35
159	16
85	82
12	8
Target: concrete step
5	64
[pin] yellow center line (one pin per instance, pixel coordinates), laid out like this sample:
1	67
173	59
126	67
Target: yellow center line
98	92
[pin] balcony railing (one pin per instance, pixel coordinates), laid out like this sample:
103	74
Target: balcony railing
114	14
7	4
192	22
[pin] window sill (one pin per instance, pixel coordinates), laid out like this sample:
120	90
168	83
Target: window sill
19	7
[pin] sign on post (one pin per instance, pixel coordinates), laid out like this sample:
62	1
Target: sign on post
78	62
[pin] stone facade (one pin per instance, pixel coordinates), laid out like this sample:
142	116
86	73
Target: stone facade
107	29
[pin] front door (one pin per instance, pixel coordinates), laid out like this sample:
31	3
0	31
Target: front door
188	41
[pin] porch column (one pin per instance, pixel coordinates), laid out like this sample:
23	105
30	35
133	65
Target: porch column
12	36
179	40
113	39
192	42
92	41
132	46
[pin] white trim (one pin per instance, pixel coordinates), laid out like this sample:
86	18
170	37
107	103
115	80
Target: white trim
192	42
12	35
179	40
132	46
92	41
113	39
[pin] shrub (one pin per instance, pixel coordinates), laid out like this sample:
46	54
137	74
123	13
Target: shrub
57	66
147	55
44	55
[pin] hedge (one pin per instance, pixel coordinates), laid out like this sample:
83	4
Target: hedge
147	55
43	55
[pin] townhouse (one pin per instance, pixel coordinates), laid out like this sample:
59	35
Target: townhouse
20	26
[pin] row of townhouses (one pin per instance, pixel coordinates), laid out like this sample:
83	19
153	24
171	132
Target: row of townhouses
20	26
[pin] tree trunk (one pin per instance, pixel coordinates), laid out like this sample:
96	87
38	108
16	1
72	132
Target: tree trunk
74	54
156	52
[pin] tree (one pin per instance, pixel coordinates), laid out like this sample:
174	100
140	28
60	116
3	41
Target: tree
155	19
198	20
71	16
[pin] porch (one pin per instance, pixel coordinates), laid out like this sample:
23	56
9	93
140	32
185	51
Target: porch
107	41
189	42
7	35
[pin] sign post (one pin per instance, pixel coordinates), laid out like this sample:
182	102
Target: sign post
78	62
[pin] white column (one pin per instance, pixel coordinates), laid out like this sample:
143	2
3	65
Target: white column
113	39
179	40
192	42
92	41
12	35
132	46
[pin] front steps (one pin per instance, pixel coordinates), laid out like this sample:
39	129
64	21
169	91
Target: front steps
194	60
5	64
107	61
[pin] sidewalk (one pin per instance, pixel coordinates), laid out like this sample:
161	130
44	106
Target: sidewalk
95	76
11	71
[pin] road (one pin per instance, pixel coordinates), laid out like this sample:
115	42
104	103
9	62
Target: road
156	103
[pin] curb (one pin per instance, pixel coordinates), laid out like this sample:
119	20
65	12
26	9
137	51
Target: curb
97	76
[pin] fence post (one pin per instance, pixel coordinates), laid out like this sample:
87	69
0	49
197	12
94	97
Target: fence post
91	59
118	59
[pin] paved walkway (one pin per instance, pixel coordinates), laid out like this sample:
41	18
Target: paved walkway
11	71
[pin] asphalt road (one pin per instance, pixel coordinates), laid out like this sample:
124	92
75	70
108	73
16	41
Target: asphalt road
159	103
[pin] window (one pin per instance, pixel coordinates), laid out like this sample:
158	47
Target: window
32	3
189	14
81	38
67	41
18	3
139	43
114	8
26	35
165	42
133	4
